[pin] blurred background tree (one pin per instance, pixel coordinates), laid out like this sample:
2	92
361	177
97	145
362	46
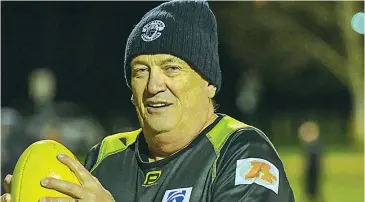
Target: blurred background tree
296	36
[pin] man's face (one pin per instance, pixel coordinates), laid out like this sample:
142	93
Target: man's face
168	93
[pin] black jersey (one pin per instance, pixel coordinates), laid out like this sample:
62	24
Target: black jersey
228	161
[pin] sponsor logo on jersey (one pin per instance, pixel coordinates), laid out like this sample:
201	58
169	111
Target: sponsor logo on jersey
177	195
152	177
259	171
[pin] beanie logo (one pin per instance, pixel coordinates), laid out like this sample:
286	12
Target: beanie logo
152	30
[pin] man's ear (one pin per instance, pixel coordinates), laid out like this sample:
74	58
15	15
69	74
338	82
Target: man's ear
211	90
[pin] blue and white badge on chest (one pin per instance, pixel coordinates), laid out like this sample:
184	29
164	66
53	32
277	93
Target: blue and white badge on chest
177	195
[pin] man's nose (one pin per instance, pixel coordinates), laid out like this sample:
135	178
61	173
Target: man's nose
156	82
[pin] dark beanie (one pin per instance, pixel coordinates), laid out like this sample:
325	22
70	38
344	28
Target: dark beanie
186	29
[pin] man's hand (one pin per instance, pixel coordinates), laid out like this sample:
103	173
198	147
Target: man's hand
90	189
7	184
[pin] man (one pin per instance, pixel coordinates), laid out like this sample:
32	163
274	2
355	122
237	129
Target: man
309	135
184	151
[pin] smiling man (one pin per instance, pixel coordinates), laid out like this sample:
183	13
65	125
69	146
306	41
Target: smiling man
184	151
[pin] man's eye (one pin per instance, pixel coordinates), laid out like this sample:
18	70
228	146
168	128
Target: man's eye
173	68
140	71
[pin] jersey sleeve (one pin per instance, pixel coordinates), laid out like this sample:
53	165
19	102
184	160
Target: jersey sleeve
249	170
92	156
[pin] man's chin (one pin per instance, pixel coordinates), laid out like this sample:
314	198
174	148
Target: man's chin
160	125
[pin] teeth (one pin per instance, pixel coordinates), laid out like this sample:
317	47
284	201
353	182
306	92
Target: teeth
157	105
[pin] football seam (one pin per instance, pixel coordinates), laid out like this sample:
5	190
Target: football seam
22	170
73	174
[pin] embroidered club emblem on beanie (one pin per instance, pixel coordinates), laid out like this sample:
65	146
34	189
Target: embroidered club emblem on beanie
152	30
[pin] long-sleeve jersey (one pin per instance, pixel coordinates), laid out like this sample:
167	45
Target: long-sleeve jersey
228	161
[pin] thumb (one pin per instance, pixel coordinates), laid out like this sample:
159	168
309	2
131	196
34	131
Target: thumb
7	183
6	198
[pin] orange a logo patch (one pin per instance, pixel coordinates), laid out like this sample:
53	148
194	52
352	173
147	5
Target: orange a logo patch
258	171
263	169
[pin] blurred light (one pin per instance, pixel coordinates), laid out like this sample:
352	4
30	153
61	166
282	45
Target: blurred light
249	92
42	85
260	3
357	22
309	131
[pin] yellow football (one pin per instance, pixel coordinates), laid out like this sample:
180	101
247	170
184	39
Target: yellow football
38	161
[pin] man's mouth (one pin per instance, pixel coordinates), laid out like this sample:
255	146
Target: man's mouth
158	105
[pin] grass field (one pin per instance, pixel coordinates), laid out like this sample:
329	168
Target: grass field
343	179
343	175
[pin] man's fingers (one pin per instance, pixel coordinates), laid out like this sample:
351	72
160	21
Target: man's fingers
81	173
68	188
96	180
56	199
7	183
6	198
